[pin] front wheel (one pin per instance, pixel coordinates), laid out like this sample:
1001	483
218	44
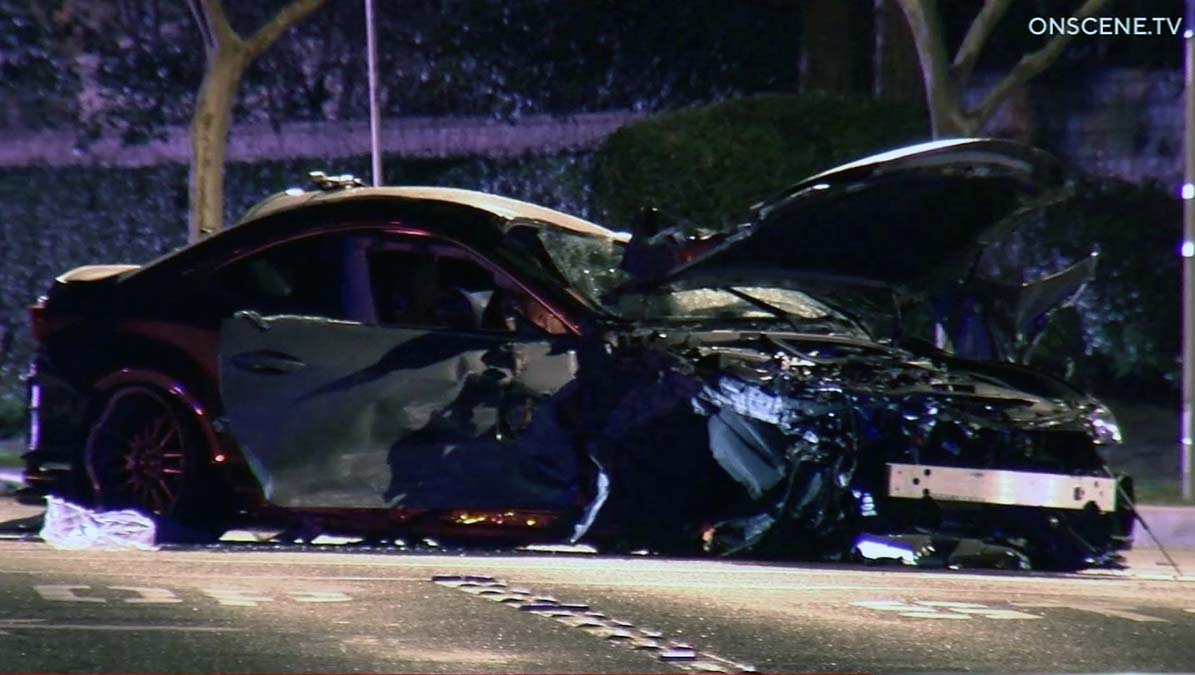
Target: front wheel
145	452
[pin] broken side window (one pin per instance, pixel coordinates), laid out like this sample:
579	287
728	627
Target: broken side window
441	286
313	276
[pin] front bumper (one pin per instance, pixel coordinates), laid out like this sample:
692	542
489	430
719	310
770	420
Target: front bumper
1002	487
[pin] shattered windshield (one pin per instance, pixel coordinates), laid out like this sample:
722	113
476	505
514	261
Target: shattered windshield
589	264
590	267
730	302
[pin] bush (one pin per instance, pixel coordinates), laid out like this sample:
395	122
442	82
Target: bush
708	165
12	416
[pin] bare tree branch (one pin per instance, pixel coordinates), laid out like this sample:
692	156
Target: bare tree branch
1031	65
205	32
275	27
977	36
218	20
217	33
228	56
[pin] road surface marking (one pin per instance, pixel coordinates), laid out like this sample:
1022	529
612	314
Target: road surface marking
145	595
907	610
65	593
984	611
320	596
595	623
235	597
148	596
943	610
1095	608
7	625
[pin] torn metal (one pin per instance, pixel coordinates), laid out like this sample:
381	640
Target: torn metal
820	438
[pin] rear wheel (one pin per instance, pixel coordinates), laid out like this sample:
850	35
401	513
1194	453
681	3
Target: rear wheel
145	452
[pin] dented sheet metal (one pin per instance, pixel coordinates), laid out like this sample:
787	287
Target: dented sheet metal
778	444
337	414
749	393
829	437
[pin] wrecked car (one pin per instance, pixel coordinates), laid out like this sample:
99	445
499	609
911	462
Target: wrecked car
440	362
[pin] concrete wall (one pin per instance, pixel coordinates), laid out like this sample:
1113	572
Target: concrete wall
413	137
1111	122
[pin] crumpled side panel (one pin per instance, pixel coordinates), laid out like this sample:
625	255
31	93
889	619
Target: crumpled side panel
379	417
795	465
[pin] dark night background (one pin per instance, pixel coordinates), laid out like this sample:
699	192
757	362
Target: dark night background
719	103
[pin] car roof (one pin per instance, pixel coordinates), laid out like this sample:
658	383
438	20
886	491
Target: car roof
506	208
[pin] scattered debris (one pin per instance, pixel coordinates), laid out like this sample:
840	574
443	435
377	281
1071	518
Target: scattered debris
72	527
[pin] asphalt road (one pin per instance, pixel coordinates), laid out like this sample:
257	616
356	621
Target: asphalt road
242	609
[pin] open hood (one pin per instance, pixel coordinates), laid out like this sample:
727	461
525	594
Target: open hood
911	215
917	218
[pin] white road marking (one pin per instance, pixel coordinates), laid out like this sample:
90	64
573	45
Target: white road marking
984	611
1095	608
943	610
595	623
320	596
26	624
235	597
145	595
148	596
65	593
908	610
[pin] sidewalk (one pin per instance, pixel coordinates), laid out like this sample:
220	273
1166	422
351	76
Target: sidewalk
1174	526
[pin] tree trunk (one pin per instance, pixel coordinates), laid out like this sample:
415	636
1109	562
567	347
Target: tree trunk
228	55
945	80
209	136
925	25
947	117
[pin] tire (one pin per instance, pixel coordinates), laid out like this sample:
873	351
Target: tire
145	452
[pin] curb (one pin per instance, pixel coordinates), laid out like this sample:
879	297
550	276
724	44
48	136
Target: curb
11	480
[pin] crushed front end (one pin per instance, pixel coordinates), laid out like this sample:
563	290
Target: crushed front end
817	443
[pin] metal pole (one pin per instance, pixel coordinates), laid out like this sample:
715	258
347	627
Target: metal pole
1187	419
375	127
